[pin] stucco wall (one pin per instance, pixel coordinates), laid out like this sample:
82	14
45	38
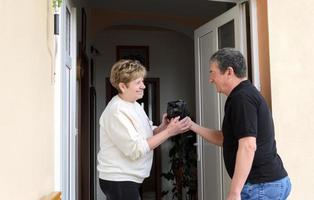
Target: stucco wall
291	31
26	103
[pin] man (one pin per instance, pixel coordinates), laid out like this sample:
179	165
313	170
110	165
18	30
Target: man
247	135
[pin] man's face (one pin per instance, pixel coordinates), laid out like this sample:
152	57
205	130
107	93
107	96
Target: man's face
217	77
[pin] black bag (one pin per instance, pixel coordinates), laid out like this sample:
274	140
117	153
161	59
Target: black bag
177	108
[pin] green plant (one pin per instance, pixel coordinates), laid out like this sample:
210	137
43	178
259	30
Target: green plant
183	169
56	3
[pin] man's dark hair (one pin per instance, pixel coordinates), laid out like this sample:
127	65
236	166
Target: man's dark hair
229	57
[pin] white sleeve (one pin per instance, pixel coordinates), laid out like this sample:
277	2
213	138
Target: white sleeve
124	135
152	125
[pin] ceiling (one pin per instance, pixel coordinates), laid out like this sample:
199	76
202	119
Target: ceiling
194	12
203	9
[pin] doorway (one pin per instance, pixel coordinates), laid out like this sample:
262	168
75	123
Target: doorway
145	17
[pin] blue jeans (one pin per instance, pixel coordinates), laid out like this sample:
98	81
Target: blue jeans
276	190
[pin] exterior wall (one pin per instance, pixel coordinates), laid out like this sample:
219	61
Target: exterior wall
26	104
291	31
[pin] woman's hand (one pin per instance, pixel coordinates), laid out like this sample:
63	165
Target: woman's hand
173	127
163	125
164	122
177	126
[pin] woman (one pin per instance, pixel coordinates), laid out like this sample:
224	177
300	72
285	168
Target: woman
127	137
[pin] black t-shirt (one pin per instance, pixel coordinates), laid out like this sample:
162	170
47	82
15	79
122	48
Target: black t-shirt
247	114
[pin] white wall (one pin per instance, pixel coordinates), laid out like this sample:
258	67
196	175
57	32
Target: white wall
171	59
26	103
291	31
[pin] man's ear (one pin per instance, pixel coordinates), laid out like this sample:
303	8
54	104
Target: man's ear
122	87
230	71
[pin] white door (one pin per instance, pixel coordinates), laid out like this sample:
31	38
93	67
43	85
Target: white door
223	31
68	125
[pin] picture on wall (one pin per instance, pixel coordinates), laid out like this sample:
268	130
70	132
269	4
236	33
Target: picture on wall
140	53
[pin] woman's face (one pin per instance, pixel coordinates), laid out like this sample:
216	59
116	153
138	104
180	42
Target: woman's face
134	90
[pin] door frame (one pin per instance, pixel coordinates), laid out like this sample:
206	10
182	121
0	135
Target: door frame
65	114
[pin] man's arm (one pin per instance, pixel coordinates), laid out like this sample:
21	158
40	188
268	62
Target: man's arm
244	160
210	135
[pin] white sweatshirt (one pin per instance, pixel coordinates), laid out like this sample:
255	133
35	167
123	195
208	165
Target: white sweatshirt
124	153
